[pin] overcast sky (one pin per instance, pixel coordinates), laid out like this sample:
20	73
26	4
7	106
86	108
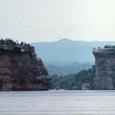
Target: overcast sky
50	20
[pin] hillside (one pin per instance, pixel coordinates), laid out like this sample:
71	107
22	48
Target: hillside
75	81
60	56
68	51
66	69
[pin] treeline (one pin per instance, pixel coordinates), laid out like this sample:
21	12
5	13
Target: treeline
8	45
78	81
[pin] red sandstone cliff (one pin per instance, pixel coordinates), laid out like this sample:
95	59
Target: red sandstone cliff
20	69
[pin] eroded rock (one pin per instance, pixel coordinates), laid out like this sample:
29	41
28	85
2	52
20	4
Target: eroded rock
20	69
105	67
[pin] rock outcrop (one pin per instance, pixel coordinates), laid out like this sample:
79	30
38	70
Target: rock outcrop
105	67
20	69
85	86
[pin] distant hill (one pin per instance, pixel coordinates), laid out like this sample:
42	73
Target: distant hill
62	70
66	52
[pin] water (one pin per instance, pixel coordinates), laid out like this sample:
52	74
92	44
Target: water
57	103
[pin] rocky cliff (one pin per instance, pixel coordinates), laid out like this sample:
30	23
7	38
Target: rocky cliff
20	69
105	67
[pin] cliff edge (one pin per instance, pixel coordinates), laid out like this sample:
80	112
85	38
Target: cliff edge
105	67
20	69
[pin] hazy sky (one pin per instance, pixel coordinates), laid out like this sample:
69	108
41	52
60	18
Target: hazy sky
49	20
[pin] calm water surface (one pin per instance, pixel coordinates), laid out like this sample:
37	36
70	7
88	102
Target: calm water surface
57	103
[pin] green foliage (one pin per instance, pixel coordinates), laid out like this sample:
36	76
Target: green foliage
12	46
74	81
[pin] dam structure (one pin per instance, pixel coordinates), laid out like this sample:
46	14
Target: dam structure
105	68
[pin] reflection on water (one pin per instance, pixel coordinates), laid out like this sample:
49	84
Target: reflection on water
57	103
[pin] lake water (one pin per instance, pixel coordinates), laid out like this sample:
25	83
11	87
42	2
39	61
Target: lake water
57	103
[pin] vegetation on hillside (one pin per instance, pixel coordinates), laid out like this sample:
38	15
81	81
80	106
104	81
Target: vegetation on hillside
62	70
12	46
74	81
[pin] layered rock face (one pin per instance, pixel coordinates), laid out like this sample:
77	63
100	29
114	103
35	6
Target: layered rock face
20	69
105	67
